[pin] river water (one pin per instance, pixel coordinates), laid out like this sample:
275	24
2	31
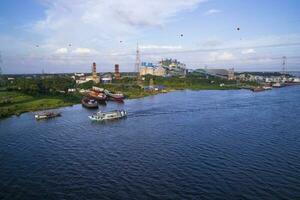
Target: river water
180	145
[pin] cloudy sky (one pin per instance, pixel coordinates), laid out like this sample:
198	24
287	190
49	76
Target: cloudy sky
68	35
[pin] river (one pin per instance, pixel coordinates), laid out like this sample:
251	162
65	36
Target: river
232	144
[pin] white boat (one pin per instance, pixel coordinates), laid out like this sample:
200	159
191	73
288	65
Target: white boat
277	85
102	116
267	88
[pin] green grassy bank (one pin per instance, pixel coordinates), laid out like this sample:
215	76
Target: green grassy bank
15	103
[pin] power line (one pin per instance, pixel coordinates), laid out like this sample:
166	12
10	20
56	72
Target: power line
179	51
137	60
1	63
284	59
228	48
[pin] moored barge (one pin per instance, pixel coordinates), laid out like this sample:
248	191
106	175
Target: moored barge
47	115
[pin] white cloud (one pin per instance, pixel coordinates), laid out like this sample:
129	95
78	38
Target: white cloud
212	11
61	51
221	56
226	56
84	21
96	27
248	51
82	51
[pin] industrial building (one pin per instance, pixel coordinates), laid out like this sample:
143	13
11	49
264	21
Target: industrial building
167	67
106	78
221	73
150	68
173	67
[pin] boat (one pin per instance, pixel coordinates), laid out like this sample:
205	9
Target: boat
258	89
103	116
277	85
47	115
98	96
119	97
97	89
267	87
89	103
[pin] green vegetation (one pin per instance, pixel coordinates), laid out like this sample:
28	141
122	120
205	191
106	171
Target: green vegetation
46	92
24	94
52	85
15	103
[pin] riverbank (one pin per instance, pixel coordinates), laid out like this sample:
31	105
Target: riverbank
16	103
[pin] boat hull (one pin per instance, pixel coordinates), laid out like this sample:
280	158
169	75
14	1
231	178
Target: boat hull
118	97
259	89
46	116
119	100
113	115
100	99
86	102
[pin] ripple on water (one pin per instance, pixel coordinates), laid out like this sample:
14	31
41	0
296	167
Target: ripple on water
180	145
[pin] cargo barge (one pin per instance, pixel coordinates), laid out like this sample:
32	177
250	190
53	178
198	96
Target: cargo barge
47	115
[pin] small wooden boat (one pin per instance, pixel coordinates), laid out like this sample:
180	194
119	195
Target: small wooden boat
47	115
258	89
89	103
103	116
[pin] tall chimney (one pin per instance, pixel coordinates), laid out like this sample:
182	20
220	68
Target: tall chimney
117	72
96	79
94	69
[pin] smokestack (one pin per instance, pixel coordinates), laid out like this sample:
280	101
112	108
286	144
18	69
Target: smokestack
94	68
96	78
117	72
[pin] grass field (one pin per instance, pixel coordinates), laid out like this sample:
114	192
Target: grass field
15	103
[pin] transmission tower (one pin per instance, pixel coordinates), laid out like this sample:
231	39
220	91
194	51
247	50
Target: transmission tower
137	60
284	70
1	62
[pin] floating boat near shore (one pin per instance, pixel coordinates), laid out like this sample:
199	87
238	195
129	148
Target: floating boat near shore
277	85
119	97
103	116
98	96
47	115
89	103
267	87
258	89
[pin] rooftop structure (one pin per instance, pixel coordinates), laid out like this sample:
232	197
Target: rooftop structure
106	78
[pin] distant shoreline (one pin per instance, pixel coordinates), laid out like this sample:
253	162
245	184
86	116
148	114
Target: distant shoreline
23	103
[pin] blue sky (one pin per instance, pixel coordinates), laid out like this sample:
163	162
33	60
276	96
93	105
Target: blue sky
67	36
